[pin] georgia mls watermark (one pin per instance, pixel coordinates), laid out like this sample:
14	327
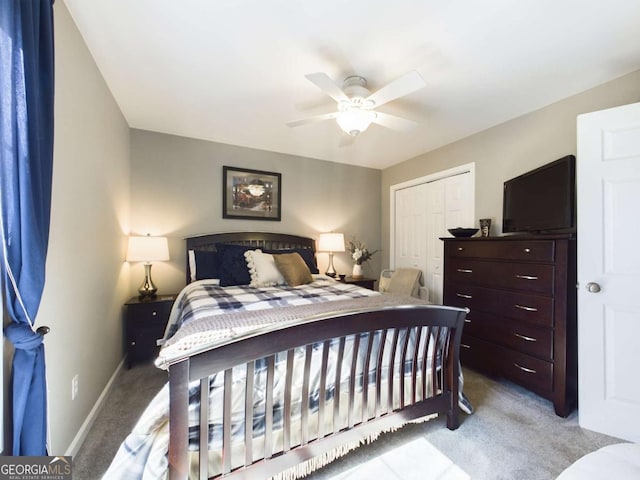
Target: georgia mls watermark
35	468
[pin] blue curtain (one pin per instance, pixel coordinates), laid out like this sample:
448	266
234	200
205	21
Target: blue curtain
26	155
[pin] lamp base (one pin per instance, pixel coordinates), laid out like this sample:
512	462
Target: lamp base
147	290
331	271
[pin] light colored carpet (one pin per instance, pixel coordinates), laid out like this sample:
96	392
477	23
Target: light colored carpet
513	434
400	464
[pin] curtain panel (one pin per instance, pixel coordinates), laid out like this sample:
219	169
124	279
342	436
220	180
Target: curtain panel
26	155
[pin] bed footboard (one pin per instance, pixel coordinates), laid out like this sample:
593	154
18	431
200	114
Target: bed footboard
321	387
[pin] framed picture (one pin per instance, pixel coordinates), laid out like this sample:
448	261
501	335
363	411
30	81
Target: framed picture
251	194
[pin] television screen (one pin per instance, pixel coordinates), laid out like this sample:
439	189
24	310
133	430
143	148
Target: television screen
542	200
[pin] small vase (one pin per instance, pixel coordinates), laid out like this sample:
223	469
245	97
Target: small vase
357	271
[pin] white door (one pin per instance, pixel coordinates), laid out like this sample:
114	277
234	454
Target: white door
449	205
422	210
436	220
608	183
410	224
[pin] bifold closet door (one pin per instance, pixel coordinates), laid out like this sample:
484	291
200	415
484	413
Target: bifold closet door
422	215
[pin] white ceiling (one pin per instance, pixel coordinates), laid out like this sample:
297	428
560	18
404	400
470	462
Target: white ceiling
232	71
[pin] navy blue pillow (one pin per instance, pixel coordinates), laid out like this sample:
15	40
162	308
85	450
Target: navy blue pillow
206	264
232	266
306	254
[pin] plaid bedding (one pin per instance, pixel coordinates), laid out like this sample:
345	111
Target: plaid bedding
143	455
205	298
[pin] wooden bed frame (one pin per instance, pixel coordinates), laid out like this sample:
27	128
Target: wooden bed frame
416	401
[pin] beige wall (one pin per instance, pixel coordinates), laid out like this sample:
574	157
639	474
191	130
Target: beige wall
177	191
509	149
87	279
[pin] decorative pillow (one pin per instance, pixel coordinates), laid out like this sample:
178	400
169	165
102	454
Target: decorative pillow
192	265
306	254
262	269
293	268
204	265
232	266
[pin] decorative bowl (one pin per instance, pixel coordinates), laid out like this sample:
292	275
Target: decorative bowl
463	232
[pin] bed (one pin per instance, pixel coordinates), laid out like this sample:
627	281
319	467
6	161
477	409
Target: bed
273	380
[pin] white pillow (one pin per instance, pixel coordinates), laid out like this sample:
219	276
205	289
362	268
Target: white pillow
262	269
192	265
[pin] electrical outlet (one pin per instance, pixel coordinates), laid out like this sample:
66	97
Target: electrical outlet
74	387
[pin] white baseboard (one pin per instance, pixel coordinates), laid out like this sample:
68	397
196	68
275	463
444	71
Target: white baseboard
77	441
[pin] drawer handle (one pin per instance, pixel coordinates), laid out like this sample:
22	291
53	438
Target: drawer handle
462	295
527	250
524	369
154	313
467	320
464	345
524	337
527	277
460	249
528	309
464	270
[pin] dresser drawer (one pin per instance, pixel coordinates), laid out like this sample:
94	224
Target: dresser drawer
534	309
526	338
530	372
519	250
529	277
479	354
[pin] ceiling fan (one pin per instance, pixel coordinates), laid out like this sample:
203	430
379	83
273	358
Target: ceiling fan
357	105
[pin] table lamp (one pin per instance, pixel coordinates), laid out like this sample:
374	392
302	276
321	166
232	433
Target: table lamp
147	249
331	242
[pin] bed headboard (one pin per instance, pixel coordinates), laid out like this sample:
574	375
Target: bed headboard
273	241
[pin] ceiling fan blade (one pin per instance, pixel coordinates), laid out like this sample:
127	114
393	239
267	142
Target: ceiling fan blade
393	122
406	84
314	119
324	83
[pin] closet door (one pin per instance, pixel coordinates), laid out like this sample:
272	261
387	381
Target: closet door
436	221
449	205
410	228
422	213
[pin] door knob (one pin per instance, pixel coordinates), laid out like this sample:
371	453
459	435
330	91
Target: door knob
593	287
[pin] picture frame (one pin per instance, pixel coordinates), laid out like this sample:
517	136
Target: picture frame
251	194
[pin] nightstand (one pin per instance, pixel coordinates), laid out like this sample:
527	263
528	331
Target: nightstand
144	323
362	282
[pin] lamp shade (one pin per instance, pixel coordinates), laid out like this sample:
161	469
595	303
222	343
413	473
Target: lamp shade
331	242
148	249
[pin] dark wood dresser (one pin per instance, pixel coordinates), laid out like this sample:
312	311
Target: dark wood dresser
521	292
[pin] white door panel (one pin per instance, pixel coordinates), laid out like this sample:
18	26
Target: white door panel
436	219
410	228
608	186
422	213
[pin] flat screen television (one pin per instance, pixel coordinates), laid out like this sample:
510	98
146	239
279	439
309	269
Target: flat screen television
542	200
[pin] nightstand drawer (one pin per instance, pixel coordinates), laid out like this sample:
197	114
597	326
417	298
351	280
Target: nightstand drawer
361	282
155	312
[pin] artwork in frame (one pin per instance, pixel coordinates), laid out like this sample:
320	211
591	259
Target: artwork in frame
251	194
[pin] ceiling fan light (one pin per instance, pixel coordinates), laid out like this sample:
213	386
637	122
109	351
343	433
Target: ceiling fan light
355	120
